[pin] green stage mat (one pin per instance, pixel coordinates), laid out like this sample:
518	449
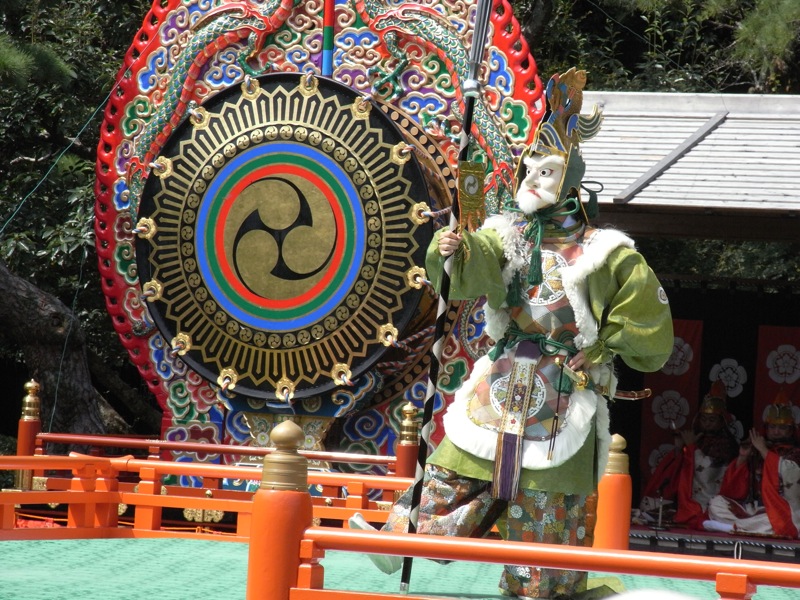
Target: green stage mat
178	569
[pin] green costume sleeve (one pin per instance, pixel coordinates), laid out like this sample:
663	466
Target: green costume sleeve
632	309
476	268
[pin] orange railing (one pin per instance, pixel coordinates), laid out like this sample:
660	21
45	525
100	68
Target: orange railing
284	553
93	493
31	441
130	481
334	488
735	579
96	489
155	447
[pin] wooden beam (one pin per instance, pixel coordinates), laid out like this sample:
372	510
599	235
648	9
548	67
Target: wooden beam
637	186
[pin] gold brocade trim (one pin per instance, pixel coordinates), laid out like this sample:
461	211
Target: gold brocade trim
471	197
199	515
521	385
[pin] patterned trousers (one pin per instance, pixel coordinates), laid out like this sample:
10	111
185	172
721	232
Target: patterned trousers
458	506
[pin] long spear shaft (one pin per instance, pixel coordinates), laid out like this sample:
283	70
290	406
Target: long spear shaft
471	88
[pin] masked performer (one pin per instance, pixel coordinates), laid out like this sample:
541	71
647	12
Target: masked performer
761	490
523	442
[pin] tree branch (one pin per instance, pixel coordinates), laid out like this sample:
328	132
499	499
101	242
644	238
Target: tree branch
144	418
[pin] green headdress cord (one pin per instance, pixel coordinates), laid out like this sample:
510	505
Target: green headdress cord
534	232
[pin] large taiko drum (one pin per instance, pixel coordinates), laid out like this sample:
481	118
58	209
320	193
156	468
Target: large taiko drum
281	215
282	236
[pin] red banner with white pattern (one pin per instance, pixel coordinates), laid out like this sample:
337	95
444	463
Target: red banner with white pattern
777	370
674	399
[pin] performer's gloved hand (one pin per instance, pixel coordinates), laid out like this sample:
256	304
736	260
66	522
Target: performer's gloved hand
759	443
688	437
448	242
579	362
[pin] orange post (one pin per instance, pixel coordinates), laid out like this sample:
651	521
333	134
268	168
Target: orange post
282	511
406	455
357	496
82	514
408	446
734	586
107	513
614	495
311	574
244	523
30	425
148	517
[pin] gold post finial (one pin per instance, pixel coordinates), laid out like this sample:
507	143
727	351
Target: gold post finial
409	427
617	459
27	430
285	469
31	404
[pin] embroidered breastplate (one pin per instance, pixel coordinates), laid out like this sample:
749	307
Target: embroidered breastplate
525	378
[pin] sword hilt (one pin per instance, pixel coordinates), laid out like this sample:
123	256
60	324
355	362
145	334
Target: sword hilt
579	378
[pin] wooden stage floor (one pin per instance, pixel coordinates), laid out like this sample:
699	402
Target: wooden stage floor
705	543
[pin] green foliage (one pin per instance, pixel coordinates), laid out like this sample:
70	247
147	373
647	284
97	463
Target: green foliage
67	55
767	42
8	447
779	262
49	67
575	37
16	65
672	45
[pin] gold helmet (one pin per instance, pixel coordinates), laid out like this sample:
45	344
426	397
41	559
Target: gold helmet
780	411
714	402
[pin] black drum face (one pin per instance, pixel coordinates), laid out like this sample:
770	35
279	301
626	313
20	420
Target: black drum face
283	233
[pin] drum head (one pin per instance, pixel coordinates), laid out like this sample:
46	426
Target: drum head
283	236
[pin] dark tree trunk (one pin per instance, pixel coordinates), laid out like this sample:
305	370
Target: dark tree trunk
534	17
54	350
141	415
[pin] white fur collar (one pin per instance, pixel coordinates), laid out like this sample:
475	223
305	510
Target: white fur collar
516	259
596	249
